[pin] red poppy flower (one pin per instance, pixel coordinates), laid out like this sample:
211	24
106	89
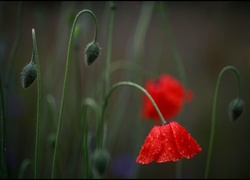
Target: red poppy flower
169	95
169	142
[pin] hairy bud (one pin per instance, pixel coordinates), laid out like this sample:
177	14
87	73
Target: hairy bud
101	158
236	109
29	74
91	53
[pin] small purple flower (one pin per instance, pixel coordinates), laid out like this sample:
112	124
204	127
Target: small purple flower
123	166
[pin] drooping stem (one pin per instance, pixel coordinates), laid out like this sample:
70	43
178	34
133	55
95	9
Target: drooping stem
88	102
122	83
66	79
227	68
3	134
38	101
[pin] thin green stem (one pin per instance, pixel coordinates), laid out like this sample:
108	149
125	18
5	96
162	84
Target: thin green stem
16	43
109	48
227	68
23	167
176	54
141	29
88	102
179	65
38	101
3	134
65	81
109	45
124	65
122	83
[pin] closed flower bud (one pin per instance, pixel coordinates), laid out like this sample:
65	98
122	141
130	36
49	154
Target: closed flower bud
91	53
236	109
29	74
100	161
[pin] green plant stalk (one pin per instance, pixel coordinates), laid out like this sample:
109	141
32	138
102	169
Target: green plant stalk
109	45
3	134
179	65
23	167
65	81
123	65
38	102
88	102
141	29
16	43
232	68
109	49
138	45
176	54
122	83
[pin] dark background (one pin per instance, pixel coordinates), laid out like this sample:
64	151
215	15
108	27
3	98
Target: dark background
208	37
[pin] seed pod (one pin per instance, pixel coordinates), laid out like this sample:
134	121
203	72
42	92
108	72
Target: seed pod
236	109
91	53
29	74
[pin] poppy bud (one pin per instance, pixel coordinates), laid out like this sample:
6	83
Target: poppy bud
29	74
100	161
236	109
91	53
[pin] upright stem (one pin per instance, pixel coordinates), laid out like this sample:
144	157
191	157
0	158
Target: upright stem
3	134
88	102
38	101
109	48
122	83
109	45
232	68
176	54
16	43
179	65
66	79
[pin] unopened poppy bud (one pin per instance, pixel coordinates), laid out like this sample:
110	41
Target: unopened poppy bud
29	74
101	159
91	53
236	109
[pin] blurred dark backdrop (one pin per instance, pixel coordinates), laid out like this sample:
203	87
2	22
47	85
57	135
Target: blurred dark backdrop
208	36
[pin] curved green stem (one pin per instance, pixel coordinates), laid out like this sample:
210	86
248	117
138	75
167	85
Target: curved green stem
88	102
3	134
232	68
122	83
66	79
38	101
124	65
23	167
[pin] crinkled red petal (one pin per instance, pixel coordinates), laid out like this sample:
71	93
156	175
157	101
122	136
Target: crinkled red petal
185	143
151	147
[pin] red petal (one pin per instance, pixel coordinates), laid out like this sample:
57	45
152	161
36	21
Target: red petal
151	147
186	145
169	151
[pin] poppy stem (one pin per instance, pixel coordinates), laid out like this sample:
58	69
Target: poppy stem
99	142
88	102
35	52
3	174
232	68
65	81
